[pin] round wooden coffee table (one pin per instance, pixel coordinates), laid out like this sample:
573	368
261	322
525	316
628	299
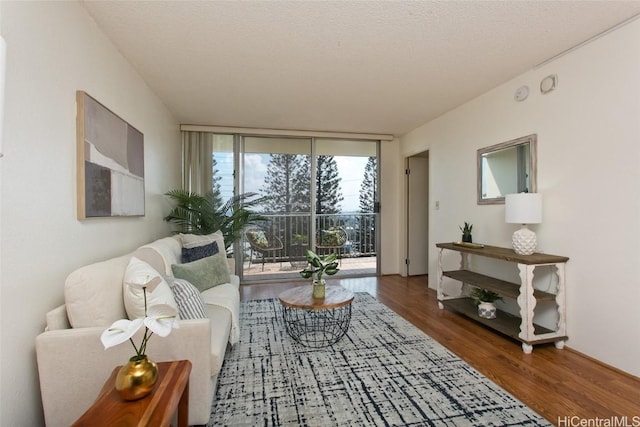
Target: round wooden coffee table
316	322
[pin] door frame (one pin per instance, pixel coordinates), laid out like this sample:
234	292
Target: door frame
407	220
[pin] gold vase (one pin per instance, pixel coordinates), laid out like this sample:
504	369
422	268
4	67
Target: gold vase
136	379
319	290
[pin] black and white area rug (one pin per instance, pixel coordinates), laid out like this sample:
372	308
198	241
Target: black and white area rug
384	372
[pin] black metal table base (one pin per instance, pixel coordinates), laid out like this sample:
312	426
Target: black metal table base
317	328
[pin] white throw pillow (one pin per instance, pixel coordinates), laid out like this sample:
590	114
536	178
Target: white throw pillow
139	272
194	240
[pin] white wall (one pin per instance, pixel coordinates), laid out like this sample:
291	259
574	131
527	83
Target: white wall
588	174
54	49
390	207
2	73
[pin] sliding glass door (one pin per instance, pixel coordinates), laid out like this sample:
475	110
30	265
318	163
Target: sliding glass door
322	197
345	203
320	194
279	169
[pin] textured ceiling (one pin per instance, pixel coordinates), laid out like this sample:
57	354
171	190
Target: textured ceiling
351	66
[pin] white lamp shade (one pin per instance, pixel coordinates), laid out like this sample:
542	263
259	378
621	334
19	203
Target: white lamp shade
523	208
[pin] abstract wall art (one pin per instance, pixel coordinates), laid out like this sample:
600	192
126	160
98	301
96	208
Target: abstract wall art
110	163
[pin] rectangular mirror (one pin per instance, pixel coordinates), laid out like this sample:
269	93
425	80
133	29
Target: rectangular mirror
506	168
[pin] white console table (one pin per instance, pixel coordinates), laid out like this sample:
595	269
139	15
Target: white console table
520	328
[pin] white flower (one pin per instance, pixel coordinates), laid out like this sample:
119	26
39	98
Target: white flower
120	331
159	319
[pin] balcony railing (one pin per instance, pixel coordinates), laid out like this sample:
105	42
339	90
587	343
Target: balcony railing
294	231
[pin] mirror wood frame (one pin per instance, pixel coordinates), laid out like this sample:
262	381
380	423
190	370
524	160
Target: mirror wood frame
532	140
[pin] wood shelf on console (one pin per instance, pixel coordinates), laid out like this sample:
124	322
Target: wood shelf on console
501	287
505	323
506	254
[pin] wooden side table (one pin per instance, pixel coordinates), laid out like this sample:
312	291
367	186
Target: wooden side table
170	393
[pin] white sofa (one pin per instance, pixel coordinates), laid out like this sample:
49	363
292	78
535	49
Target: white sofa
73	364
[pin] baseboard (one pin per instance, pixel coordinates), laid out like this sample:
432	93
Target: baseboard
604	365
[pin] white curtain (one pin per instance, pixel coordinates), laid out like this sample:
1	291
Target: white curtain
197	159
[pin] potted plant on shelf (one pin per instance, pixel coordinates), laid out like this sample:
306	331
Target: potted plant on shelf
319	266
466	232
485	299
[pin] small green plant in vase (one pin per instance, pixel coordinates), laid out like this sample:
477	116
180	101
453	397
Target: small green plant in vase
485	300
300	239
317	267
466	232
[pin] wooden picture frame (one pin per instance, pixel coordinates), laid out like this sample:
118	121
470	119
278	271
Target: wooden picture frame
110	163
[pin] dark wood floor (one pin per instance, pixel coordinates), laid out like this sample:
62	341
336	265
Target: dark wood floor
558	384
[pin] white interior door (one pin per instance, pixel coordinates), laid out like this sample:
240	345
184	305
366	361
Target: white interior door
418	214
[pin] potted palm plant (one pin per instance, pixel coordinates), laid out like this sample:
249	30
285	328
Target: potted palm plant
485	300
319	266
200	214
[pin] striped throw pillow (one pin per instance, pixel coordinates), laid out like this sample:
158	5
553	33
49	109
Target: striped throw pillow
188	298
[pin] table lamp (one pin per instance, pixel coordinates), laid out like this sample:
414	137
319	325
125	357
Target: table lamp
523	208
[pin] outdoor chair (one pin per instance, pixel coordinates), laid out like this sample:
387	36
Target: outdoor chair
332	238
264	243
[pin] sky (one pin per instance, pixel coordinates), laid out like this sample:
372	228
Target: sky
350	169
